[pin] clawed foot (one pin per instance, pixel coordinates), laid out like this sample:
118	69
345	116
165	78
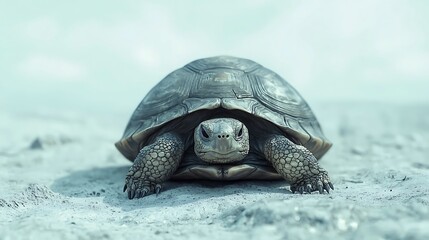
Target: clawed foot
313	183
138	188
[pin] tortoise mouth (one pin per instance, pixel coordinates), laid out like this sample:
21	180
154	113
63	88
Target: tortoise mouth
216	157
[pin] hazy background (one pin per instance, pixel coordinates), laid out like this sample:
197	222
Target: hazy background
104	56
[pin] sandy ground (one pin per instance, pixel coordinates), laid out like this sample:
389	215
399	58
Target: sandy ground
70	185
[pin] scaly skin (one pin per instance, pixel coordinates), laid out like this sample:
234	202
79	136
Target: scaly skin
297	165
158	161
154	165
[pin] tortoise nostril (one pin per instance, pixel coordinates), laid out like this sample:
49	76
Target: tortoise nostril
223	136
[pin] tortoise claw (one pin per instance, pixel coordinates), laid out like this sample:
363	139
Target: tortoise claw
138	193
138	187
131	194
314	183
158	188
326	187
308	188
142	193
320	187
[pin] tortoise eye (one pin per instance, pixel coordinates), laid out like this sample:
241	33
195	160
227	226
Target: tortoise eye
204	133
240	132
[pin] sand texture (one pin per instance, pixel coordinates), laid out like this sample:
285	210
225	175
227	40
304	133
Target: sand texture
62	178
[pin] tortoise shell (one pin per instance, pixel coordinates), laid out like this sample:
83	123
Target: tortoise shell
224	82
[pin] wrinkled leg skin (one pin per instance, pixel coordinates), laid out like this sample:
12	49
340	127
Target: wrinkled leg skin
153	166
297	165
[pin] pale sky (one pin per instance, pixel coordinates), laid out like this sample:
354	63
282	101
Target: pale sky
108	54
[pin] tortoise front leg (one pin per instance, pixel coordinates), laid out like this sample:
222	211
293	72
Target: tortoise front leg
297	165
154	165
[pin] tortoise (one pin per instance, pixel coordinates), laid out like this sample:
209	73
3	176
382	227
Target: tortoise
223	118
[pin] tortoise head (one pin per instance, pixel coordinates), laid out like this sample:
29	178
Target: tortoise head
221	140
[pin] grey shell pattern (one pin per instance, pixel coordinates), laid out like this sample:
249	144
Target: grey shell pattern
230	83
